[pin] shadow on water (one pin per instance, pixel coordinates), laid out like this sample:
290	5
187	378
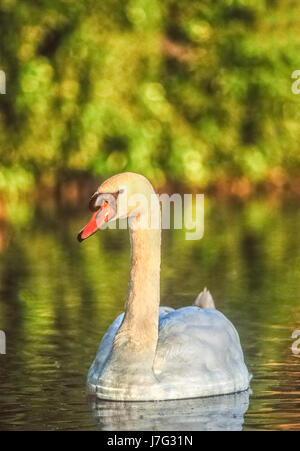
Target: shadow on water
218	413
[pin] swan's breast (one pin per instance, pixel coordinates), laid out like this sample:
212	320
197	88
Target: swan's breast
104	350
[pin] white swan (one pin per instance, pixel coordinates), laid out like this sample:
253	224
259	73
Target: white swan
151	353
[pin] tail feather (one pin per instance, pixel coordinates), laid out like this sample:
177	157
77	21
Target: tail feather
205	300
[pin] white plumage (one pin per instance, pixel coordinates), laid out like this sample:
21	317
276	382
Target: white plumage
152	353
198	354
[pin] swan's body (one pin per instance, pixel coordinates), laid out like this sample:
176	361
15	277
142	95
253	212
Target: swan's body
198	354
152	353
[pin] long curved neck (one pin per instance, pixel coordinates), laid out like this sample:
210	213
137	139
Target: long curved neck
139	329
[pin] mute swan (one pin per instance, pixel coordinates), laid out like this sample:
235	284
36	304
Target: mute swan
151	352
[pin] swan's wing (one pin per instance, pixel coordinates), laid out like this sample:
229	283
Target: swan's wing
202	348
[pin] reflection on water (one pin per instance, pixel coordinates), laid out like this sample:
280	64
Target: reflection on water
57	298
217	413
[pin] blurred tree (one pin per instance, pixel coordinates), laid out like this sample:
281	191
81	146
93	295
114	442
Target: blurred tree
189	91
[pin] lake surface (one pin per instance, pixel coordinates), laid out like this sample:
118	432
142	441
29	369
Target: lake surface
57	298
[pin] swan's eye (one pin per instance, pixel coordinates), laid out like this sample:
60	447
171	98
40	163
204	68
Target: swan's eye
99	200
93	205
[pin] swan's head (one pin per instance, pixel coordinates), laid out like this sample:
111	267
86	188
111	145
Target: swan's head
117	198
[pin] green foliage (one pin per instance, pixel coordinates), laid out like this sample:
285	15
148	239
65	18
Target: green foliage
189	91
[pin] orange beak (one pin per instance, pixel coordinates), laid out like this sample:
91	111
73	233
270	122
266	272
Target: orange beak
100	217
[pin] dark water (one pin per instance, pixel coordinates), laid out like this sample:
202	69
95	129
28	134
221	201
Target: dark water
57	298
